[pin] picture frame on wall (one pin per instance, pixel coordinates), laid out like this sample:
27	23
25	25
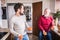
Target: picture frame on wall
27	11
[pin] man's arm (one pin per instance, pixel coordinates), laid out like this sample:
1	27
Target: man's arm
28	27
11	25
52	23
40	24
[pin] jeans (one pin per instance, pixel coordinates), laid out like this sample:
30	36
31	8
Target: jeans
48	36
25	37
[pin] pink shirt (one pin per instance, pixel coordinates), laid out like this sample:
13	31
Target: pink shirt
45	23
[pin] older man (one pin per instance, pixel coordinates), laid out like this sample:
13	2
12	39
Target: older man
45	24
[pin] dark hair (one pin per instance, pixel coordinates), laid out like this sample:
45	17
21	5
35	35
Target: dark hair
17	6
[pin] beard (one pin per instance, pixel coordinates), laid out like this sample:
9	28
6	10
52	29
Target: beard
46	15
21	13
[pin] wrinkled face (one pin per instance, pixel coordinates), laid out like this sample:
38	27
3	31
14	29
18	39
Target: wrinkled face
21	10
46	12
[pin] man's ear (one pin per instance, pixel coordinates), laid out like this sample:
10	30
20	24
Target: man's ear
18	10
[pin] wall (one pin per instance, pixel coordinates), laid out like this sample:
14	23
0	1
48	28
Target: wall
52	6
3	3
57	5
15	1
47	4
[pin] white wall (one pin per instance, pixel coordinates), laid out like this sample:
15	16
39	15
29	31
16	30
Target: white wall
46	3
10	11
52	6
57	5
4	23
3	3
16	1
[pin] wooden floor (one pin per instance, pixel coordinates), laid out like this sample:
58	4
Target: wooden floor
32	37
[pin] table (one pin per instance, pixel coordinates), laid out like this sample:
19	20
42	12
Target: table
56	31
55	35
5	30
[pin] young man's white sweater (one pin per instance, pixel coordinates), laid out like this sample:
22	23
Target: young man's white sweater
18	25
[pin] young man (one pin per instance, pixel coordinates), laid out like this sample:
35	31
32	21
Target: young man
45	24
18	23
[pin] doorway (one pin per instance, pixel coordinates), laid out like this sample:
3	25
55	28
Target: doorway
37	12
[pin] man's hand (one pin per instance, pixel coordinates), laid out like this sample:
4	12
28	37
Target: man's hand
29	29
20	37
44	33
52	28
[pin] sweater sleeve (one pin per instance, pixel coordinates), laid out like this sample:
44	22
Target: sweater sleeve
26	22
52	21
40	24
11	23
27	25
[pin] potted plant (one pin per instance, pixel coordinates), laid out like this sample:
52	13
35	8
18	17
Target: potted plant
56	16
